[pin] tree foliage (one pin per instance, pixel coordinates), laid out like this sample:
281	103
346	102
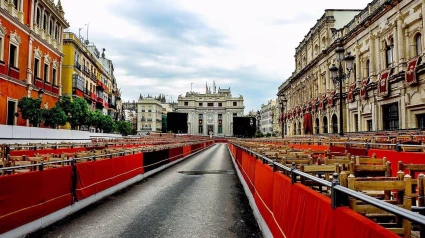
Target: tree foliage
123	127
76	109
54	117
29	109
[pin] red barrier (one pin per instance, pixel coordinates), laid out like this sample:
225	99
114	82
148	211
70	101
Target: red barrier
352	150
186	150
175	153
94	177
394	157
30	196
297	211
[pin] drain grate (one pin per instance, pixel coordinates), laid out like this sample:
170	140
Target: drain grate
201	172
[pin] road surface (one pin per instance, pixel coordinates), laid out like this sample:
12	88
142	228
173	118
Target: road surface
199	197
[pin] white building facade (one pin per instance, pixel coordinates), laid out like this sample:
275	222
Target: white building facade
267	115
149	115
212	112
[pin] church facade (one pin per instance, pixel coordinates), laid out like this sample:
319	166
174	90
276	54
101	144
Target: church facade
386	88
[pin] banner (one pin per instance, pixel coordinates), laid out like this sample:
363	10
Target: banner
363	88
383	85
331	99
410	75
350	95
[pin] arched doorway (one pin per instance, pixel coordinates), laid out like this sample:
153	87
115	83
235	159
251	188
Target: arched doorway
317	126
334	124
325	125
295	128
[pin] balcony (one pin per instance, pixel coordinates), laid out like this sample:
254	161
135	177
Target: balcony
99	85
55	89
38	82
47	86
149	119
93	96
2	67
77	66
13	72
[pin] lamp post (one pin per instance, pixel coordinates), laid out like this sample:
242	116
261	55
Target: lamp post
283	101
338	76
40	93
258	121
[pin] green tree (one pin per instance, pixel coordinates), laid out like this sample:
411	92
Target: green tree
54	117
107	124
76	109
123	127
29	109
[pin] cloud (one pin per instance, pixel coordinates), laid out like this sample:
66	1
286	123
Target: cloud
164	46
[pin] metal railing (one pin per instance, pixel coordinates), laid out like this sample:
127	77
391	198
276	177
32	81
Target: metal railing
340	194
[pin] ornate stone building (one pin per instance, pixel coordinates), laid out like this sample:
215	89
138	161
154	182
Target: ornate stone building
267	116
30	54
211	112
385	89
149	114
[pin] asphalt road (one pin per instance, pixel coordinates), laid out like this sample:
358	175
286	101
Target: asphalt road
207	201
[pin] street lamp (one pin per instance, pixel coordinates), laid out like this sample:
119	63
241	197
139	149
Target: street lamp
40	93
283	101
338	76
258	121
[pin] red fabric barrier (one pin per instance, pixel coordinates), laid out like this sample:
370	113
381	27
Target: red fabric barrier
264	190
297	211
394	157
31	153
351	150
94	177
186	150
29	196
175	153
352	224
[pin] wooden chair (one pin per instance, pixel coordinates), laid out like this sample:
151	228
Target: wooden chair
411	168
321	171
401	184
298	161
412	148
362	167
343	163
55	159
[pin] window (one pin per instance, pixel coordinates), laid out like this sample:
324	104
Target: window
421	121
334	124
210	104
235	104
51	28
367	67
389	53
220	104
54	79
201	116
325	125
235	114
11	110
220	116
1	46
13	57
200	129
46	73
37	17
186	103
356	122
391	119
37	68
369	125
418	44
220	129
317	126
45	22
16	4
200	104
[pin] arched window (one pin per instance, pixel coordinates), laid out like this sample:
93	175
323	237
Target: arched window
295	128
299	128
389	48
418	44
45	22
51	28
323	43
316	49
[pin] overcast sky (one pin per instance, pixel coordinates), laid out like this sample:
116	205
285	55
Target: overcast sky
162	46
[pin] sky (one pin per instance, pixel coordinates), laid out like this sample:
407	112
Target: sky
169	46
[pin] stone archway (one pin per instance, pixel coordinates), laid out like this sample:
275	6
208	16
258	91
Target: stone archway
334	124
325	125
317	126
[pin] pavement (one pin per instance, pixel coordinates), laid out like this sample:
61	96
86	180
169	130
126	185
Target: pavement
198	197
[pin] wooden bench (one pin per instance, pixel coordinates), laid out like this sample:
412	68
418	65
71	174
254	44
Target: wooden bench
386	185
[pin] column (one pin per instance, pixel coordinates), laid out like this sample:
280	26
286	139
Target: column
29	70
359	115
32	17
401	44
42	20
60	77
358	65
402	110
374	57
423	23
395	50
379	56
